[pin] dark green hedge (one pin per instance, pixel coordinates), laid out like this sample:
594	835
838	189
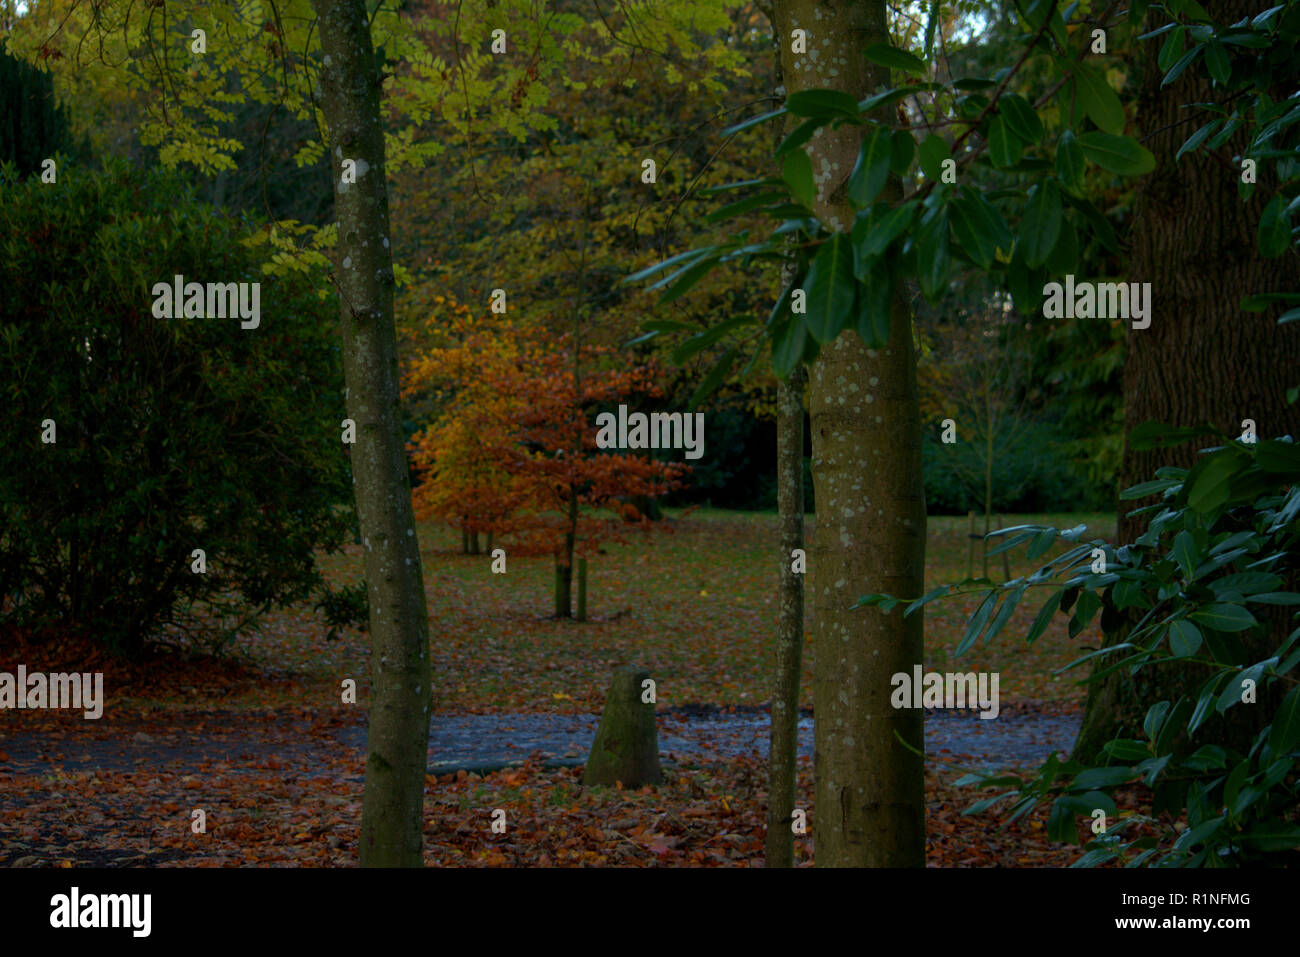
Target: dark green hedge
172	435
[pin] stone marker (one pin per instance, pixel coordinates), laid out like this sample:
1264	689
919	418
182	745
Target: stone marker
627	742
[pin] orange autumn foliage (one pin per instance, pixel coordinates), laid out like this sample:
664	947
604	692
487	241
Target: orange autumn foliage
511	448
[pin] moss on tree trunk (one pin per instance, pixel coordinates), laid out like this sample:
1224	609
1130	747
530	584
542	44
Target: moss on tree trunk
627	742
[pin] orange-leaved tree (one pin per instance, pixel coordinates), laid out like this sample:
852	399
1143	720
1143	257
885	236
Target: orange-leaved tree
511	450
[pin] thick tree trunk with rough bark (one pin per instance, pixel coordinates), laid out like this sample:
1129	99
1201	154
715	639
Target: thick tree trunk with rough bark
626	748
783	751
396	752
870	533
1203	361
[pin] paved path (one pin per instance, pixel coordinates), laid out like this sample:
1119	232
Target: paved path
470	740
482	742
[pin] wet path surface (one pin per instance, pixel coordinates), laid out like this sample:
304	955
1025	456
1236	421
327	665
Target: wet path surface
487	741
471	740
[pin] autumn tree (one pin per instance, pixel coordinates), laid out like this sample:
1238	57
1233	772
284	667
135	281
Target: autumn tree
513	446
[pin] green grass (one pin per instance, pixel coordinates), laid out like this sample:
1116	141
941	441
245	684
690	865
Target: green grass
695	605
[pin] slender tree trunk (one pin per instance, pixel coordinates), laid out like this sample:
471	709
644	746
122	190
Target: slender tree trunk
582	589
783	752
397	748
564	570
1203	360
870	532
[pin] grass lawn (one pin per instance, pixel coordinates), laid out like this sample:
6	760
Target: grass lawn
694	604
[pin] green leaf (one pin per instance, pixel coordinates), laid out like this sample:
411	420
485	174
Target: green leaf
1005	148
743	206
1118	154
1272	837
886	97
874	305
822	104
976	623
1021	118
978	227
1184	638
1227	618
1218	62
875	229
752	121
690	254
872	169
688	277
1004	613
1070	162
1185	552
708	337
1274	228
830	288
1099	101
797	137
1128	749
933	150
1209	482
788	343
715	377
798	175
1183	63
1044	617
1041	544
1061	825
1208	693
902	149
932	258
1172	49
1284	735
1102	777
1041	224
1196	139
1247	583
1084	610
1276	598
894	58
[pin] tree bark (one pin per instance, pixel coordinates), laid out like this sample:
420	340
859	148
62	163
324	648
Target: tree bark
1202	361
564	567
397	747
627	741
870	532
783	751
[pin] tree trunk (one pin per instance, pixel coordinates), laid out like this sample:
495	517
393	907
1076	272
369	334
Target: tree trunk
582	589
870	532
1203	360
397	748
563	589
564	567
783	752
627	741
